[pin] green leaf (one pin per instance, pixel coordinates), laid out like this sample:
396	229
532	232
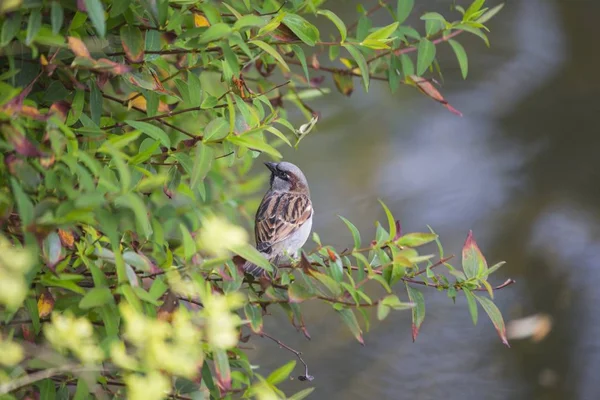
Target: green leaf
391	221
271	51
297	293
249	253
472	304
461	56
133	43
489	14
254	315
222	368
474	31
33	26
47	389
32	309
153	131
215	32
209	381
254	144
96	297
337	21
56	17
353	230
302	58
404	9
473	8
362	64
95	103
216	130
351	322
382	33
131	297
281	373
249	21
425	55
10	28
81	391
305	31
408	68
24	204
433	16
95	11
137	205
203	158
418	311
301	394
496	317
473	261
416	239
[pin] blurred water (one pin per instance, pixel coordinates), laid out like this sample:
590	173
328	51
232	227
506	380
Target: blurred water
520	169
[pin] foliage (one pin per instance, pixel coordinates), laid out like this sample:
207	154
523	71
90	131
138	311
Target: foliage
128	132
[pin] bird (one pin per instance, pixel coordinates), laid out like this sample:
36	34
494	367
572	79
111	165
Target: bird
284	218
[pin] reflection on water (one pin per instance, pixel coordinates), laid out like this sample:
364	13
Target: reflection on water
519	169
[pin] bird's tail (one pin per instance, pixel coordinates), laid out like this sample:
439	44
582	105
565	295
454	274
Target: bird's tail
253	269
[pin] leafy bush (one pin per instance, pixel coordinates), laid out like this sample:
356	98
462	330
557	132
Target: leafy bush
128	132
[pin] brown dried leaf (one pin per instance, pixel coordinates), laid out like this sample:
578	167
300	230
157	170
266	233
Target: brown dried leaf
66	238
20	143
427	88
343	83
78	47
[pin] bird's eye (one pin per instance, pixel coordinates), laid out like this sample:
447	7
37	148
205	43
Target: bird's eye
285	176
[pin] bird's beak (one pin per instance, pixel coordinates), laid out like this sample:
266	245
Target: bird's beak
272	166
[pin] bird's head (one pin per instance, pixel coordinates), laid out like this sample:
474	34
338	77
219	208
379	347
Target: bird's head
286	176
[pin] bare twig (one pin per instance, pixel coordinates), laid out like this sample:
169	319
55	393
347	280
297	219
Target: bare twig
306	376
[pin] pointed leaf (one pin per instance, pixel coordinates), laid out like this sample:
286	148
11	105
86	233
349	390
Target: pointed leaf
425	55
96	297
281	373
133	43
337	21
353	230
473	262
461	56
362	64
472	304
418	311
154	132
305	31
271	51
95	11
416	239
496	317
350	320
254	315
391	221
404	9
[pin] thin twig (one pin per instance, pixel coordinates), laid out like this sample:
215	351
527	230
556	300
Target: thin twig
306	376
438	263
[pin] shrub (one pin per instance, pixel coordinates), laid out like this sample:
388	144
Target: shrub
128	132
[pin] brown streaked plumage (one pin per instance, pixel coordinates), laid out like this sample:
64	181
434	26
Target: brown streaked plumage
284	218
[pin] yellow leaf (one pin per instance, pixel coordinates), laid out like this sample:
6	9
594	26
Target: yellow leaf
139	101
45	304
200	21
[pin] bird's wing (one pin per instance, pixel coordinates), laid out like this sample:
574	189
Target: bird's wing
279	215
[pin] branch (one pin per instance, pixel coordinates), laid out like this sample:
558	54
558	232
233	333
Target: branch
413	47
44	374
306	376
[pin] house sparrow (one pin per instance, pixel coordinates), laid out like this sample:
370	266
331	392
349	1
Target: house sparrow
284	218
